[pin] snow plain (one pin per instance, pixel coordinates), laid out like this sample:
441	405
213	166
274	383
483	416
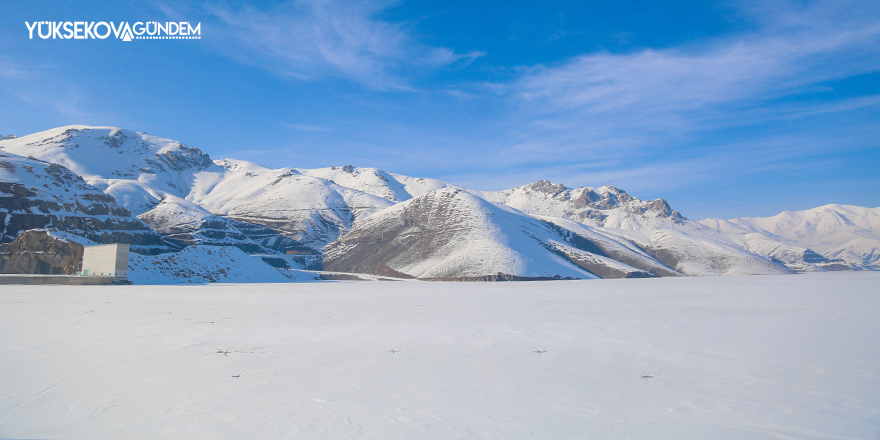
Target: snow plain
759	357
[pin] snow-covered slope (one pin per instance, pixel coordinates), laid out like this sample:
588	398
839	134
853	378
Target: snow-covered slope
314	206
184	223
452	234
604	207
202	264
682	244
700	252
311	210
36	194
137	169
389	186
837	232
311	207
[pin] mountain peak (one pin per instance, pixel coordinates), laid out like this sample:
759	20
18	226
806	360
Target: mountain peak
546	186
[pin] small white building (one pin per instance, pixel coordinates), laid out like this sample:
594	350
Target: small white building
107	260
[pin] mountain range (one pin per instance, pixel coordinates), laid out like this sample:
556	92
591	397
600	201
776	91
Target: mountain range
108	184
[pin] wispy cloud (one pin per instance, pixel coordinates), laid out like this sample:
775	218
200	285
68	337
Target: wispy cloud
15	71
39	86
315	39
605	104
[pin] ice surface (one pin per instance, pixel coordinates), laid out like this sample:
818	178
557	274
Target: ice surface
760	357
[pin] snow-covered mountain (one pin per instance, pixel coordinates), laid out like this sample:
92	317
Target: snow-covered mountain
850	234
603	207
37	195
682	244
309	207
452	234
183	223
173	196
137	169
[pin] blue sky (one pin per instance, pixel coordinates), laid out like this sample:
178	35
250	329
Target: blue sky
725	109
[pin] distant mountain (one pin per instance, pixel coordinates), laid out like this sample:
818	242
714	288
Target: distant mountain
607	206
840	233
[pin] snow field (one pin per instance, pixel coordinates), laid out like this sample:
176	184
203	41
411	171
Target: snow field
761	357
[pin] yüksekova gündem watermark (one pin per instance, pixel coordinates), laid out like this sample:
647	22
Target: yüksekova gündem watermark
123	30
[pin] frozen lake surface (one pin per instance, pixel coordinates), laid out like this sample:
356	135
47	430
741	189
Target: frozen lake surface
760	357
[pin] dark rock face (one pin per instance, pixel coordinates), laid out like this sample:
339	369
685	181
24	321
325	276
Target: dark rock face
222	231
545	186
37	252
43	195
662	208
590	206
811	256
185	158
321	227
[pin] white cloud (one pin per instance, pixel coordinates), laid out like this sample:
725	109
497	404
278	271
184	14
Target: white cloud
313	39
653	102
39	86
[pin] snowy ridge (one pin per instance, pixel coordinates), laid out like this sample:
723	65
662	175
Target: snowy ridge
311	207
311	210
447	234
837	232
141	171
622	251
603	207
137	169
683	245
392	187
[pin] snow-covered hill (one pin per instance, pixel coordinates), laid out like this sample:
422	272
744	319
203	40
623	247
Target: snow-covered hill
452	234
682	244
311	210
837	232
202	264
141	171
37	195
183	223
137	169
